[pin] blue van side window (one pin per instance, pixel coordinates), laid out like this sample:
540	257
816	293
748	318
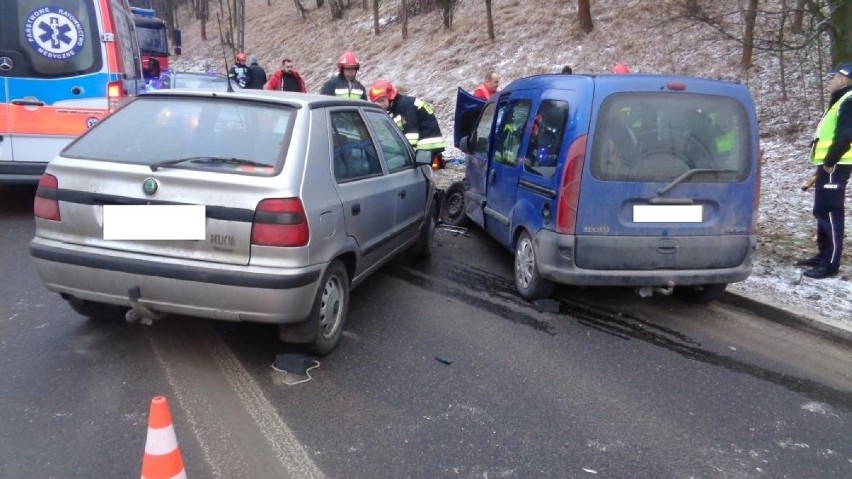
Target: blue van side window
653	137
481	137
511	119
548	130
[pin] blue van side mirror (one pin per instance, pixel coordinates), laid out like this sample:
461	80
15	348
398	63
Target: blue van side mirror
464	144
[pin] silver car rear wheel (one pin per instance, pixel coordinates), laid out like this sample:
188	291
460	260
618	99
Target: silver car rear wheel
330	308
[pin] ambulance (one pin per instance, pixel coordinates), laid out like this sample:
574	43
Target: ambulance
64	65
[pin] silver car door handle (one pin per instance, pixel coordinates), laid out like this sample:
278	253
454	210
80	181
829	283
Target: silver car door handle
356	209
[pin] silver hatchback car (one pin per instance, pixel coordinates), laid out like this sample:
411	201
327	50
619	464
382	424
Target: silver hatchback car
249	206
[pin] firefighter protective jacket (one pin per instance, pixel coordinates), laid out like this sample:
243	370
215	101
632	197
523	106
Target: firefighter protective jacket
339	86
417	121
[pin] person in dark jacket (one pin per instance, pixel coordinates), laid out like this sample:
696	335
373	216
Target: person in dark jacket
258	75
414	117
832	156
286	79
240	72
344	83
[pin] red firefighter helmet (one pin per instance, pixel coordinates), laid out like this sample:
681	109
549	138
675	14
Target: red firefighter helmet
348	60
241	57
620	68
382	88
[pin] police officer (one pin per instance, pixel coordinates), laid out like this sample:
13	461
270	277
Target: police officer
414	117
832	155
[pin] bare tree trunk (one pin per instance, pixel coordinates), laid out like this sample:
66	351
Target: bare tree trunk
780	41
403	5
300	9
376	16
336	7
202	14
447	7
798	17
584	15
490	18
241	24
748	35
841	46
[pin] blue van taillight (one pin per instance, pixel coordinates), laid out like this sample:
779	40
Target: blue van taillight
46	203
569	189
280	222
755	204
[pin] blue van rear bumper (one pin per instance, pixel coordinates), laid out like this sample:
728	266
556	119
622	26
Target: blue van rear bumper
556	254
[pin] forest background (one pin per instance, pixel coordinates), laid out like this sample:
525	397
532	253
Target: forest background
780	49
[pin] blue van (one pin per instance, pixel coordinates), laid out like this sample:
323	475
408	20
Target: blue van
645	181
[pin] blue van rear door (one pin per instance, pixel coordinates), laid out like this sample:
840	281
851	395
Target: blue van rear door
671	178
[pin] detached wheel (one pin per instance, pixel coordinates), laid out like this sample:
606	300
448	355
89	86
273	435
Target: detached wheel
95	311
528	281
321	332
452	205
701	294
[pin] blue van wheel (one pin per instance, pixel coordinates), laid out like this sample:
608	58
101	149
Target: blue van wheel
528	281
452	205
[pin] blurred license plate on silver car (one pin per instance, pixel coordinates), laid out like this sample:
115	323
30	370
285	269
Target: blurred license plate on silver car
154	222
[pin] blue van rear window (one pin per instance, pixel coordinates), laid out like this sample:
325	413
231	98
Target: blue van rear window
657	137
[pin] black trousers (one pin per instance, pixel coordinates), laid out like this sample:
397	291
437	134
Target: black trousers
829	194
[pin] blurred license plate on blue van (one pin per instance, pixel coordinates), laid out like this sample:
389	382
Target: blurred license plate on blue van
667	213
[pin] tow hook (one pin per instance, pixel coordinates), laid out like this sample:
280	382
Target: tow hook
648	291
138	312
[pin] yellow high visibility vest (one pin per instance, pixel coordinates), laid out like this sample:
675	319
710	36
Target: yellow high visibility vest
825	134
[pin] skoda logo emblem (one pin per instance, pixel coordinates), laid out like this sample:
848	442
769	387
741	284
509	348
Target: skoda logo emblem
149	186
6	64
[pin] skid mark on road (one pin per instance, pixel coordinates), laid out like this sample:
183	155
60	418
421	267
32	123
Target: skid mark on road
238	430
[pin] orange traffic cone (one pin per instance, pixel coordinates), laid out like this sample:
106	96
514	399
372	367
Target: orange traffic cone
162	458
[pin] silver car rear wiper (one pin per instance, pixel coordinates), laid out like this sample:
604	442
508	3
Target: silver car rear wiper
207	160
689	173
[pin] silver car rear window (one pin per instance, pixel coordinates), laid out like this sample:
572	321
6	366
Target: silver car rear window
225	135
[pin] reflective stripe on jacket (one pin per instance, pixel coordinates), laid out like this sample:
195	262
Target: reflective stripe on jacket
340	87
825	134
417	121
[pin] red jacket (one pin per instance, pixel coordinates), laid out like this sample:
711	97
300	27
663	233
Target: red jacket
276	81
482	92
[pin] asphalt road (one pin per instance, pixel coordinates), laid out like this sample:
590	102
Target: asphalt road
443	372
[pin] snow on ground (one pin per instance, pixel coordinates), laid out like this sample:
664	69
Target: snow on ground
542	36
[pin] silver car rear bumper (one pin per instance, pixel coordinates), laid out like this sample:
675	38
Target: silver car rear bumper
178	286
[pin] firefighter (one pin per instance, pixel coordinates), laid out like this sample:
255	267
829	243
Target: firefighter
240	71
414	117
344	83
